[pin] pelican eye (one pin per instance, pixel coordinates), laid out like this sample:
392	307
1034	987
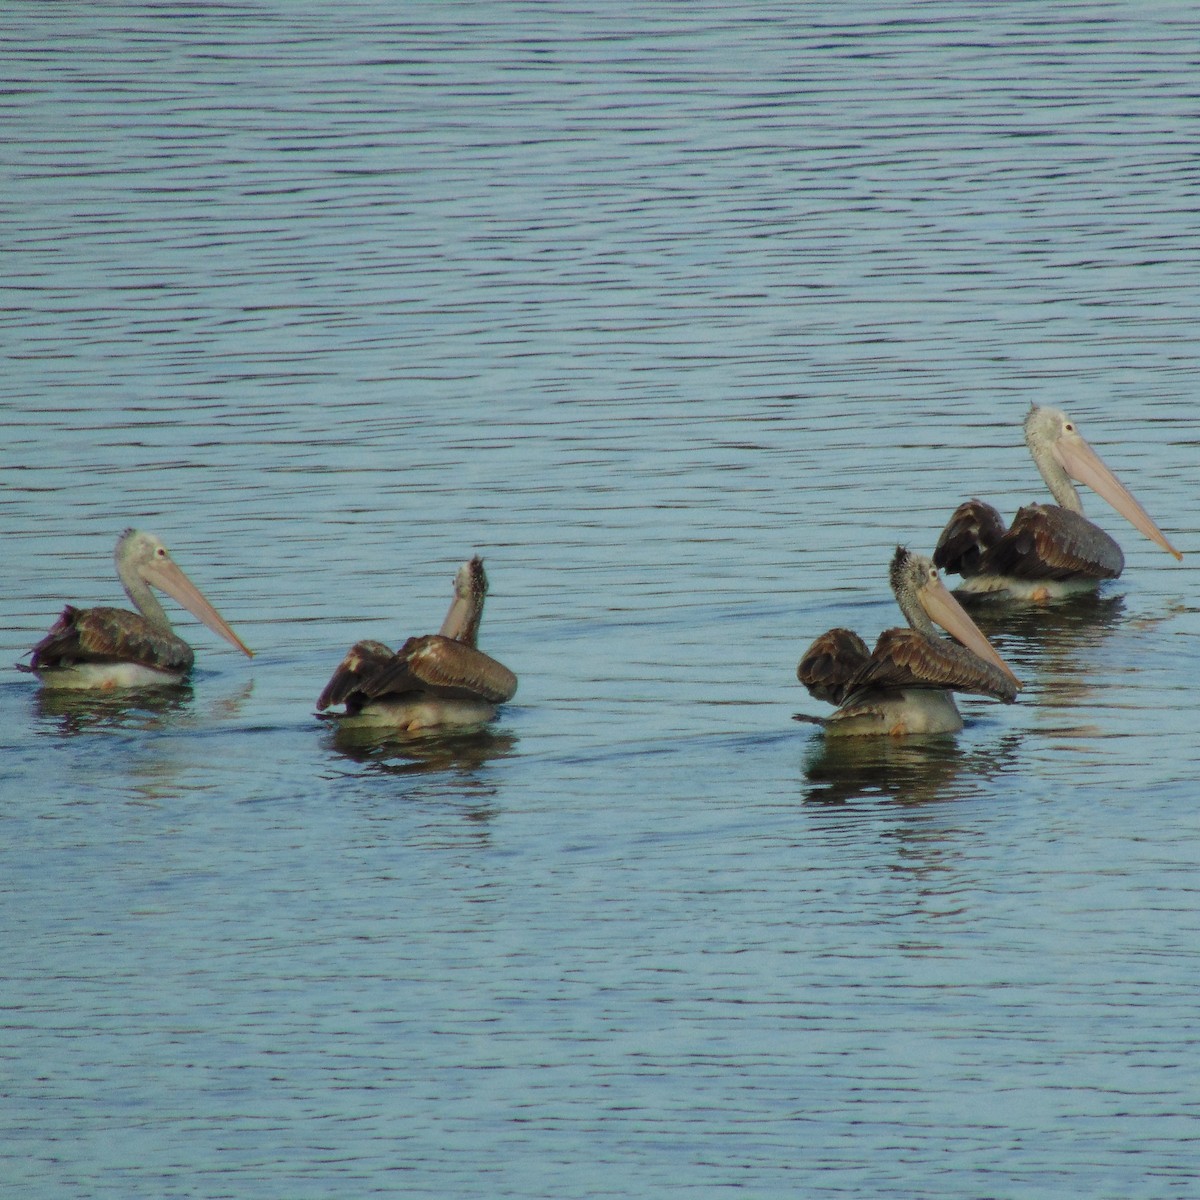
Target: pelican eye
1069	427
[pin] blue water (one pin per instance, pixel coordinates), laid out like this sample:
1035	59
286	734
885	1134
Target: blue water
682	318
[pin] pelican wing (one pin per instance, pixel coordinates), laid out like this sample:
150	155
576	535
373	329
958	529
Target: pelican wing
831	663
904	658
442	666
970	533
83	635
1048	542
356	679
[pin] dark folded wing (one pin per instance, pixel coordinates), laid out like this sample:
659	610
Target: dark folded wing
441	666
831	662
973	529
905	658
1048	542
83	635
357	674
432	665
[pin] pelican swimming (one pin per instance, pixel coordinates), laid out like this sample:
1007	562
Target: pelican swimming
905	685
436	681
1050	550
106	648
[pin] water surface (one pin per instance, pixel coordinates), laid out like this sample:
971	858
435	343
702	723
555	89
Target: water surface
682	319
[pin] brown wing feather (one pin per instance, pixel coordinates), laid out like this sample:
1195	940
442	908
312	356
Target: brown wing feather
444	667
1048	542
970	533
357	675
831	662
905	658
432	664
82	635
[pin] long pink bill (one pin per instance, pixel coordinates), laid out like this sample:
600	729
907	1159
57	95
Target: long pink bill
168	577
952	617
1084	465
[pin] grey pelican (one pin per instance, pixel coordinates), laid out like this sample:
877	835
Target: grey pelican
106	648
433	682
1050	550
905	685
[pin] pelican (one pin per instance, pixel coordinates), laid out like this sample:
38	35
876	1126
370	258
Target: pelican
107	648
436	681
905	685
1050	550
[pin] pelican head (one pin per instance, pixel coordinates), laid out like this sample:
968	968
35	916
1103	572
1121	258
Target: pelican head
1062	455
466	609
925	600
144	562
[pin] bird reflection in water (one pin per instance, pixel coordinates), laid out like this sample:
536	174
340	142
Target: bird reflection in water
394	754
447	774
900	803
67	713
1087	618
1055	647
902	770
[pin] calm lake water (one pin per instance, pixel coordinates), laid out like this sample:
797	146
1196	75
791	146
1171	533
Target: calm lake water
682	318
